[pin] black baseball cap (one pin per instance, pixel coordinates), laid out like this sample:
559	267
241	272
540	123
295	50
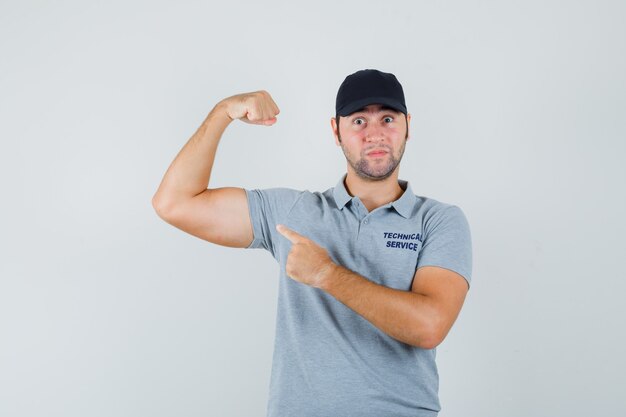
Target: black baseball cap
369	86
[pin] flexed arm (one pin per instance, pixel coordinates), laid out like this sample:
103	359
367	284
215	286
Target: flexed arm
218	215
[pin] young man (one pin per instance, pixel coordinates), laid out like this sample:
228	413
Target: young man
372	276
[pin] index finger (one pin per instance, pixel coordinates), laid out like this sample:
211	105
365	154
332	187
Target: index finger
288	233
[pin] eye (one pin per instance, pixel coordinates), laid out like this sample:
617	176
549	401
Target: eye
390	119
357	120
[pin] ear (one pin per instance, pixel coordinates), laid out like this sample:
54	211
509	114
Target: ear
334	124
408	125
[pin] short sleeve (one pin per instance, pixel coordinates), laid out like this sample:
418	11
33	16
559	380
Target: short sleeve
269	207
448	243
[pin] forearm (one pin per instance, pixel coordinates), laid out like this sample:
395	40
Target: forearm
403	315
188	175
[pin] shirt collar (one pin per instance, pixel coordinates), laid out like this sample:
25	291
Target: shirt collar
403	205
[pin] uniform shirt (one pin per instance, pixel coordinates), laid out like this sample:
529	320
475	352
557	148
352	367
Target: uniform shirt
328	360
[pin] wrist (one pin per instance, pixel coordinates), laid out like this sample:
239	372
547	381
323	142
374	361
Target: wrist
328	276
221	111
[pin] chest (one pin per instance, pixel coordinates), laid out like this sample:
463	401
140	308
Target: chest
381	245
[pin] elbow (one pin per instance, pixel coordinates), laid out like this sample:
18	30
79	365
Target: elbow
157	204
161	206
430	336
430	342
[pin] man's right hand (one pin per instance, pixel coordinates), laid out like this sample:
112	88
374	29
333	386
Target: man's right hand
257	108
217	215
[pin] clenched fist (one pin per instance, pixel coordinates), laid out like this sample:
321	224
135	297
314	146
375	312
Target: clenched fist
257	107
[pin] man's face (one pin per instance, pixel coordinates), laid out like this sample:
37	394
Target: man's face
373	128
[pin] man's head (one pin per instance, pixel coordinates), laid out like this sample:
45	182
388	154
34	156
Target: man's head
369	110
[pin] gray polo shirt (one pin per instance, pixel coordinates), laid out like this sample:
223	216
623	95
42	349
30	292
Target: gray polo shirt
328	360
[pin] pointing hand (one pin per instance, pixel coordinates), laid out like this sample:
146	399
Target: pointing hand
307	262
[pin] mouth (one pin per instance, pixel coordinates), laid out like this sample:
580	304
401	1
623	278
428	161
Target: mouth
377	153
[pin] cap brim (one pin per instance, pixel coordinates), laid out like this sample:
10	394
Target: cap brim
359	104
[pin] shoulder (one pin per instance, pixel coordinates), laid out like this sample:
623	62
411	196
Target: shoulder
276	192
314	197
433	211
276	195
273	202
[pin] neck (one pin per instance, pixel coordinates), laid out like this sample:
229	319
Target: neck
373	193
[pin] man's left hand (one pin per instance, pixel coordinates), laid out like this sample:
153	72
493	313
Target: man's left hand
307	261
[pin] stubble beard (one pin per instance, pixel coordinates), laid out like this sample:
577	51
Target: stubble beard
370	170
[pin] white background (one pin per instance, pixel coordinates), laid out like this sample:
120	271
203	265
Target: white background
519	118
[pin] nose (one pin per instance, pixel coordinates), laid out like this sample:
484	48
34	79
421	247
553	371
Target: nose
375	133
